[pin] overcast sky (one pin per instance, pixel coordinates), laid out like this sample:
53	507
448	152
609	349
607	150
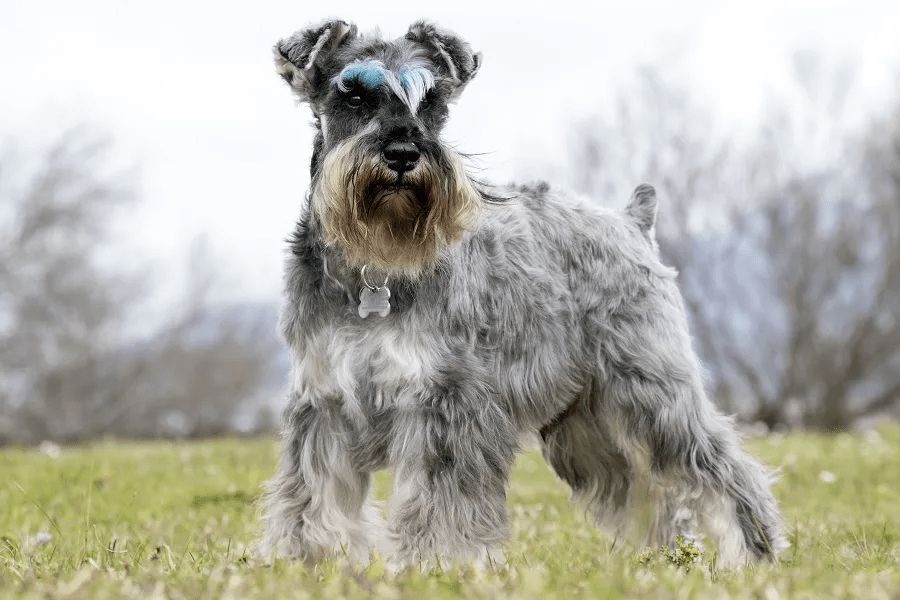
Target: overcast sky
188	91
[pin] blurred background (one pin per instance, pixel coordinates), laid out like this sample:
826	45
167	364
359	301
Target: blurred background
152	164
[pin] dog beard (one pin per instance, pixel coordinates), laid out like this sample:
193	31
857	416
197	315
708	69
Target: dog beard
395	223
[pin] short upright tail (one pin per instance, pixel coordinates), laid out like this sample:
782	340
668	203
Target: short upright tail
642	207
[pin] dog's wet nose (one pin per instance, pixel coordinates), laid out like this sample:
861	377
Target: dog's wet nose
401	156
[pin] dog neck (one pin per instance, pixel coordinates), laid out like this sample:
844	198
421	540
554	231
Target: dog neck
330	276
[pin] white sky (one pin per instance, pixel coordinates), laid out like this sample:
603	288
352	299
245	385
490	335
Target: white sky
188	91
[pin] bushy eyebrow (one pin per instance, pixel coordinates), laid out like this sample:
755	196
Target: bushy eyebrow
410	85
369	74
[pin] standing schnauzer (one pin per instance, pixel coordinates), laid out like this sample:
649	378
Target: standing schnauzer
433	323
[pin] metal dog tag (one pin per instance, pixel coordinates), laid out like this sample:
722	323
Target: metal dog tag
374	301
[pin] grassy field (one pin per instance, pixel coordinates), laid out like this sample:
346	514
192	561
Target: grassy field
174	520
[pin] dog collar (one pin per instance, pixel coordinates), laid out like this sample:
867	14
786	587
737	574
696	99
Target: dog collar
374	298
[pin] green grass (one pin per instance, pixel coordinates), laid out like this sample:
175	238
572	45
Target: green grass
174	520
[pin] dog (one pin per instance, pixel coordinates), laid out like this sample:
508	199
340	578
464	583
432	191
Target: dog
435	321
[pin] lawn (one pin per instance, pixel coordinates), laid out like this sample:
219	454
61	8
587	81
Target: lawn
155	520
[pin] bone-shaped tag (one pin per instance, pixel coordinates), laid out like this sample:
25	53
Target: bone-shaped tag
377	302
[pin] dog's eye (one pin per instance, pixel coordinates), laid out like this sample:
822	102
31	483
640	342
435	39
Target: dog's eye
355	100
427	100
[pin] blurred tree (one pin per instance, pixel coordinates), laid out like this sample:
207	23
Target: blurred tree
58	308
831	256
67	369
202	368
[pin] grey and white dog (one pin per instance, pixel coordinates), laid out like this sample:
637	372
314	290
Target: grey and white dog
434	321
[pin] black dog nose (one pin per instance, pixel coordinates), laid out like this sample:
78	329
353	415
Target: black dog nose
401	156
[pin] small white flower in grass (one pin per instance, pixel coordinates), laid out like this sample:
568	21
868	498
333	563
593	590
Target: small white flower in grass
827	477
49	448
873	437
42	537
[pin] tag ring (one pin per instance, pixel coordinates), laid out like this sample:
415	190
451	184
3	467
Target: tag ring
372	288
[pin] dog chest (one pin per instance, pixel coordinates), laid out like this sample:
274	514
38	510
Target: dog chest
369	366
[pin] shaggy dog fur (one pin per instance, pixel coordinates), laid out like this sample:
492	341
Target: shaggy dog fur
505	312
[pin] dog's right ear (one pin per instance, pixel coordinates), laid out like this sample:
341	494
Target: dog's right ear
301	58
452	55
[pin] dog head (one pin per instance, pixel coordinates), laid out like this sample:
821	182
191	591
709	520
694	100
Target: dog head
384	186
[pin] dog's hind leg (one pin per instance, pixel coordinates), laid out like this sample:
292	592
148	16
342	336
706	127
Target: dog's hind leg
690	455
619	496
580	451
317	503
655	405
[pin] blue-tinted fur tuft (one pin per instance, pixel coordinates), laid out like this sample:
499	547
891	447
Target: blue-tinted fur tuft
370	74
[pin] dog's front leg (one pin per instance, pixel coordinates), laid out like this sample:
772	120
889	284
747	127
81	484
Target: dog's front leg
318	503
452	452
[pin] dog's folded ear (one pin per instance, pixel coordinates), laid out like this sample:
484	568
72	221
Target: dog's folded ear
450	53
302	59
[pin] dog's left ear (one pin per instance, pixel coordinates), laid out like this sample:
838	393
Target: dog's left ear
302	59
450	53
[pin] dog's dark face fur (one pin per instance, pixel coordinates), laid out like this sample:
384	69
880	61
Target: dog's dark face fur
385	188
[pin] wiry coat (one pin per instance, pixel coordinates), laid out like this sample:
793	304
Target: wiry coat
546	315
